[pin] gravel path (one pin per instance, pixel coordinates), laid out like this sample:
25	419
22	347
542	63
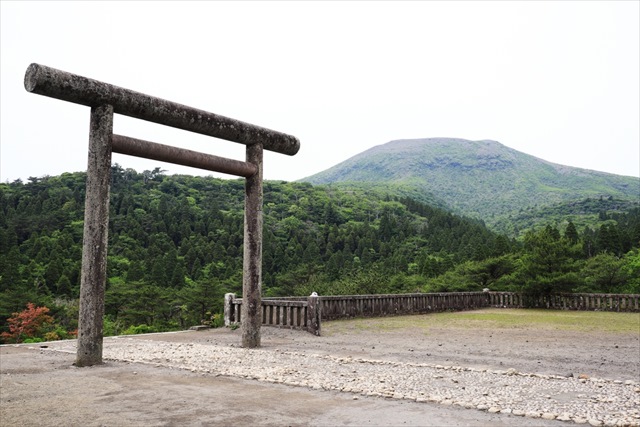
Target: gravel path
596	401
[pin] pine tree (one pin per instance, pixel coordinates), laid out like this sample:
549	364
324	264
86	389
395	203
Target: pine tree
571	233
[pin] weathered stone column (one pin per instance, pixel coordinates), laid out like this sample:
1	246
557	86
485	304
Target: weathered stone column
314	314
252	262
94	248
228	309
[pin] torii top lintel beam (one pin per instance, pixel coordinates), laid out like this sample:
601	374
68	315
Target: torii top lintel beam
65	86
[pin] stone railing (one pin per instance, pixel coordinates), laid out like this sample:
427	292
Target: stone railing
347	306
589	302
306	313
290	312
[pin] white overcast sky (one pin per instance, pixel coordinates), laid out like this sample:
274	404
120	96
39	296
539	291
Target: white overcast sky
557	80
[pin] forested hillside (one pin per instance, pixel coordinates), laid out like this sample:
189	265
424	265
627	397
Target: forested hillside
175	243
175	247
589	212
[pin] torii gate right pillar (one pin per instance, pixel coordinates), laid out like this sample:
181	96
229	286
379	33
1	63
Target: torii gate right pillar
252	260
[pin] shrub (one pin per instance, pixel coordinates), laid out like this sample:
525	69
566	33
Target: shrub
111	327
27	324
215	320
140	329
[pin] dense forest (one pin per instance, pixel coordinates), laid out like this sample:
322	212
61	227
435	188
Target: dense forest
175	248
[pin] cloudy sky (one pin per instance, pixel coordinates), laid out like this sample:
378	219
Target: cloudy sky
557	80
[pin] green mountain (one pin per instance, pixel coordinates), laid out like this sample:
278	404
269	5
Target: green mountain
480	179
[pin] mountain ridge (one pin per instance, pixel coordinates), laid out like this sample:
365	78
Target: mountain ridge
483	179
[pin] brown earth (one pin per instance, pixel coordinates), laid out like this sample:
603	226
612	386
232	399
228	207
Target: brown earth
42	387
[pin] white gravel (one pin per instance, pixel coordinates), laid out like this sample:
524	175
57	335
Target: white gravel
596	401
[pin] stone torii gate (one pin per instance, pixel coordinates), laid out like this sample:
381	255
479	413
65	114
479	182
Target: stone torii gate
106	100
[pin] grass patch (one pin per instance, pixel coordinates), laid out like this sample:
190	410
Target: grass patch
579	321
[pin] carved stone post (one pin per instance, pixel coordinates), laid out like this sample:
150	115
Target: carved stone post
94	249
228	309
252	262
314	314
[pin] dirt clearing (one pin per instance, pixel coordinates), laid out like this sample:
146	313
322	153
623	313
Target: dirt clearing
40	386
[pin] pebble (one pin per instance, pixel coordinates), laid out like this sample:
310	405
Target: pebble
563	417
581	399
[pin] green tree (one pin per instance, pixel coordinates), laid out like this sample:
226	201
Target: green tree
608	239
604	272
632	270
548	264
199	297
571	233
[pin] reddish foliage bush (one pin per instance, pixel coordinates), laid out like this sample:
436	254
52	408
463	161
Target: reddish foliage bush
26	324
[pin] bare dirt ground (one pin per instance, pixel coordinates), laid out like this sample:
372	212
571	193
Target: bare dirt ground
39	386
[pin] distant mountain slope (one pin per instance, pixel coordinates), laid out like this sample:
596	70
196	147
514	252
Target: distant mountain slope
482	179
